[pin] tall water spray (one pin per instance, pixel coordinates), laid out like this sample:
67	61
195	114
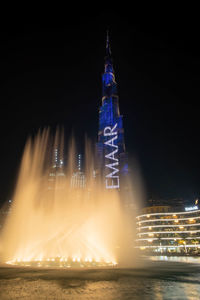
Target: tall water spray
53	221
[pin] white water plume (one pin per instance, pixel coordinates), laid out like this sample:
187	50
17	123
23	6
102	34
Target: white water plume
50	219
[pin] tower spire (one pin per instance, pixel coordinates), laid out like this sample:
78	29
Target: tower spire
108	49
108	78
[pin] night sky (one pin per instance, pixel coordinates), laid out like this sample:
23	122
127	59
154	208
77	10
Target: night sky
51	75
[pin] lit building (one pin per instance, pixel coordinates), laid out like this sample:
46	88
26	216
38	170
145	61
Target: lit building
78	177
112	163
160	229
56	172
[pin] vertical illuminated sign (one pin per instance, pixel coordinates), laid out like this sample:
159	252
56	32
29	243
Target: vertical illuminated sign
111	160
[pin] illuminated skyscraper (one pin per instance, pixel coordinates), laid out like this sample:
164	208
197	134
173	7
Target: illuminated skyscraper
110	147
78	177
56	172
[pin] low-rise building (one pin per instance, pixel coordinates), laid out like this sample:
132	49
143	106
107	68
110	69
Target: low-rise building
161	229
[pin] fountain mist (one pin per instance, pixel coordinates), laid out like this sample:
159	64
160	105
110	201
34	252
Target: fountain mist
51	221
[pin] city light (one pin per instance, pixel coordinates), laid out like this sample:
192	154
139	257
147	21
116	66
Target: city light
169	225
191	208
167	220
165	214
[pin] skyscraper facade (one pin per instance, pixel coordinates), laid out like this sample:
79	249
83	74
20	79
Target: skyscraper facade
78	177
112	160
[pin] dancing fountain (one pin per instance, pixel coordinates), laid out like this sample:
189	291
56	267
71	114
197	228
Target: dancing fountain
55	224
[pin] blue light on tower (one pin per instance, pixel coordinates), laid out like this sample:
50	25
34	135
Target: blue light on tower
111	147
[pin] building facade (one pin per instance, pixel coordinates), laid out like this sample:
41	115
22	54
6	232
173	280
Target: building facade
112	161
162	229
78	180
56	171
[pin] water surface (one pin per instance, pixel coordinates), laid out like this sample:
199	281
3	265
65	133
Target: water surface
155	280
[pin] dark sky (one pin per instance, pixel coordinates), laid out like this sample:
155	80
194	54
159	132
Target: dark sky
51	74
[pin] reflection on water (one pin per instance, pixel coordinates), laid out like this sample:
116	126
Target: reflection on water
158	280
183	259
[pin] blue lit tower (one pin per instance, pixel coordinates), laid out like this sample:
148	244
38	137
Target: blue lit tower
111	148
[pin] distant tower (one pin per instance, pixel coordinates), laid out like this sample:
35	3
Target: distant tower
78	177
112	162
56	172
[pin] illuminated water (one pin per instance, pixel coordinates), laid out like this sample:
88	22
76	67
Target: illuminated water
53	223
157	280
58	239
